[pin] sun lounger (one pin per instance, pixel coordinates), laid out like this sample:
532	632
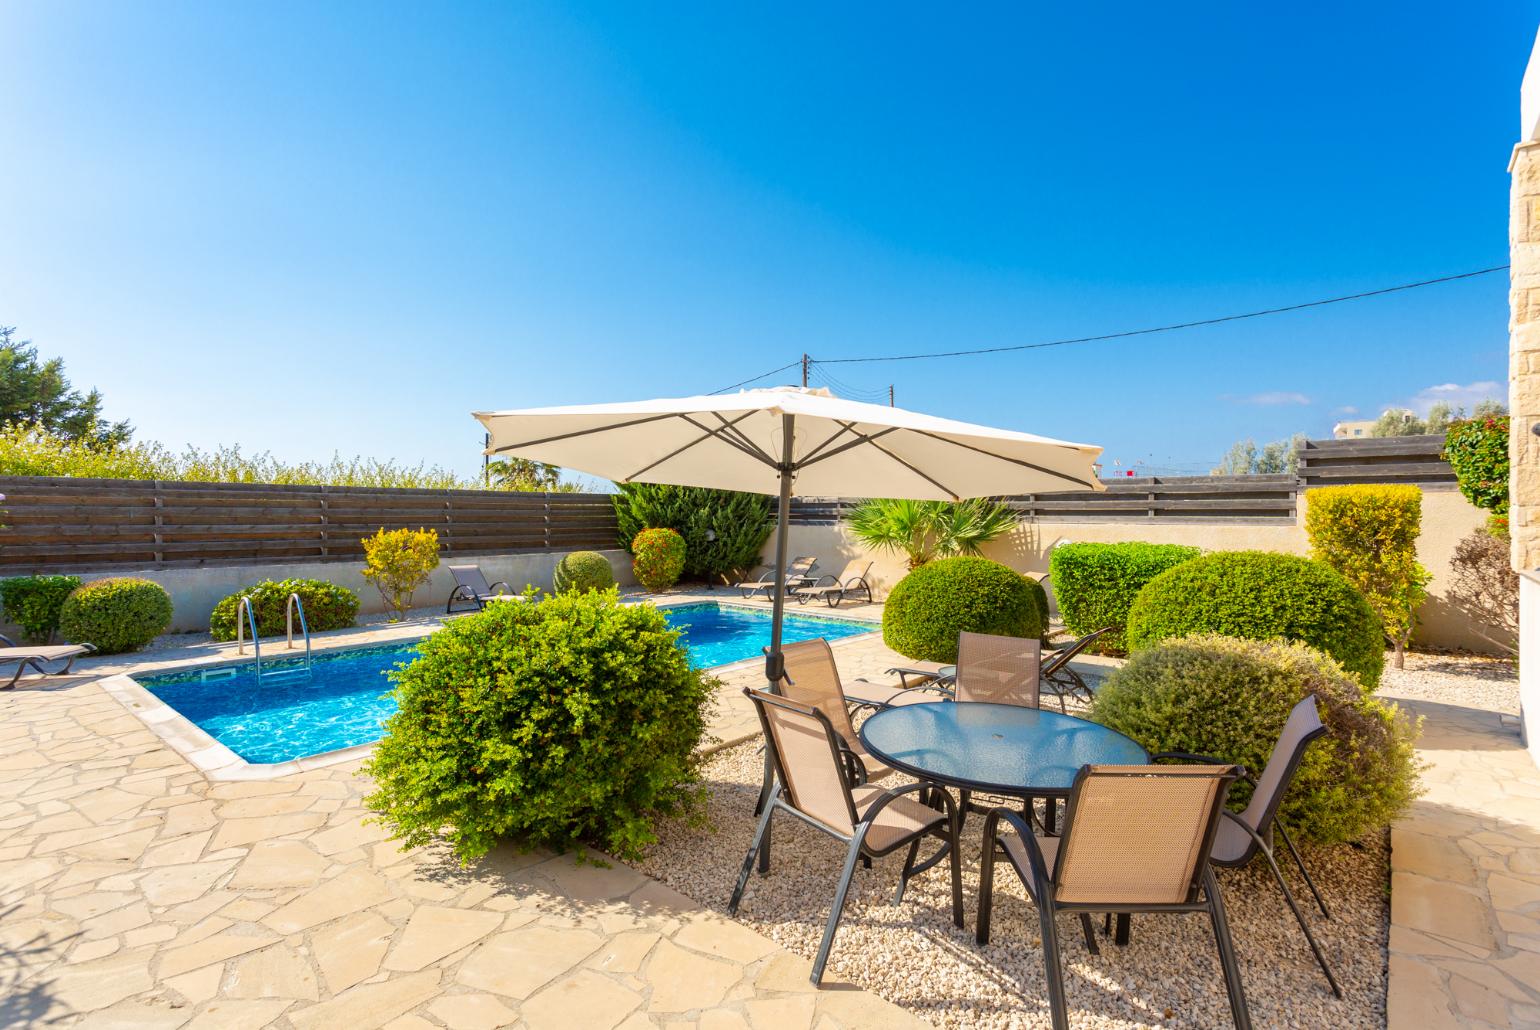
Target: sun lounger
797	575
471	587
39	656
834	589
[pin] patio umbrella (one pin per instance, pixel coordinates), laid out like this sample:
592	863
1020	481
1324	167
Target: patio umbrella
789	440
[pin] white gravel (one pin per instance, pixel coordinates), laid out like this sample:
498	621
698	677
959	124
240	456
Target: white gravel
1167	977
1470	681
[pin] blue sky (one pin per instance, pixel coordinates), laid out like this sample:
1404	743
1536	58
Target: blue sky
309	228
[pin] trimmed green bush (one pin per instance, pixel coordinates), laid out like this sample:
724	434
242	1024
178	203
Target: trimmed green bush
327	606
34	603
570	721
1229	698
658	558
1040	601
1096	584
1259	595
117	614
935	603
583	570
723	530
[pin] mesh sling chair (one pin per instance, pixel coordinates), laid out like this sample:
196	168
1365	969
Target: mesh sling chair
1244	835
811	766
797	574
834	589
471	588
1136	839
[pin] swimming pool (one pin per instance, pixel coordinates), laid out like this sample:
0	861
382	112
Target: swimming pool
346	698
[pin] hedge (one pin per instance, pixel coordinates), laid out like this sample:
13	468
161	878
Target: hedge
1259	595
35	602
327	606
117	614
1095	584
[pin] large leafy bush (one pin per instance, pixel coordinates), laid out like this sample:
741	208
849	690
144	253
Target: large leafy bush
1477	450
1259	595
117	614
925	530
327	606
34	603
659	558
1229	698
572	720
1369	534
398	562
935	603
723	530
1096	584
583	570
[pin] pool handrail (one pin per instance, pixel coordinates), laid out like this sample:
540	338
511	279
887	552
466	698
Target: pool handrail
296	601
256	644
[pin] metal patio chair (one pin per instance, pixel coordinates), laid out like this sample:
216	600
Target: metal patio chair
834	589
37	656
798	574
1002	670
1136	839
812	767
471	588
1243	835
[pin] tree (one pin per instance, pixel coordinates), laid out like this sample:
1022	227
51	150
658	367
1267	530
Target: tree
1399	422
1244	459
37	393
723	530
926	530
1440	415
522	474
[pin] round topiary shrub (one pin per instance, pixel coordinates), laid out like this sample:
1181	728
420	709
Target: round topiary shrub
327	606
929	607
1039	600
1096	583
1260	595
116	615
658	558
582	571
1229	698
573	720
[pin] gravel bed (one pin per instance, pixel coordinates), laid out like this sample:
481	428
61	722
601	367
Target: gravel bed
912	954
1470	681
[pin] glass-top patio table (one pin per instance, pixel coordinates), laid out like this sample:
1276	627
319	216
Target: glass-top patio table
995	749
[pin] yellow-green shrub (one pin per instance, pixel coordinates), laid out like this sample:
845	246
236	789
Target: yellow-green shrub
1368	533
117	614
398	562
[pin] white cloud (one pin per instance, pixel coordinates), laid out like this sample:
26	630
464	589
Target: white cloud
1273	398
1456	396
1346	409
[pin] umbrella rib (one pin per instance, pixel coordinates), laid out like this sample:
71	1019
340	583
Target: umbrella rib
1002	457
753	448
708	435
842	448
939	486
586	432
812	454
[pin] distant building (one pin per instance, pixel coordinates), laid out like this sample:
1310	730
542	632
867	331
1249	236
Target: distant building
1351	430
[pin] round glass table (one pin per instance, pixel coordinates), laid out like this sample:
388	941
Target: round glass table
994	749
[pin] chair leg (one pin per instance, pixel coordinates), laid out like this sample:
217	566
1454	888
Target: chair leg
1125	923
986	889
903	876
1302	870
1299	916
765	791
1090	934
1053	971
956	860
1216	912
846	874
760	836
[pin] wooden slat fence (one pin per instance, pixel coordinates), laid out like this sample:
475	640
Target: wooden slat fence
60	524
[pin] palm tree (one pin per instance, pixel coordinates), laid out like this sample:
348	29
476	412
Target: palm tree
522	474
924	530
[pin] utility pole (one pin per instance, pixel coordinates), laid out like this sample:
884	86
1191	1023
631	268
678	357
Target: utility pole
486	459
890	395
804	371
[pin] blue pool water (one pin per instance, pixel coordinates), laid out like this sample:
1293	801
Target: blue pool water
346	698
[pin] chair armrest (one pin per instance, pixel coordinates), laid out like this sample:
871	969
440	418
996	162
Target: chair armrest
1039	867
500	583
1186	756
7	641
934	687
887	797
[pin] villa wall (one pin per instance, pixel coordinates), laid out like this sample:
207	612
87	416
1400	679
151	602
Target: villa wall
1447	517
194	591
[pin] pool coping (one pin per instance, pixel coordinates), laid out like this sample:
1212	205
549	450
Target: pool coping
218	762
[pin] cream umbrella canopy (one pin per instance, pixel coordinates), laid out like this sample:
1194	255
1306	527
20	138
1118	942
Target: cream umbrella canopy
788	440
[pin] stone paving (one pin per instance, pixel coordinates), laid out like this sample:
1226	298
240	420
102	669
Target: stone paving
1465	880
135	892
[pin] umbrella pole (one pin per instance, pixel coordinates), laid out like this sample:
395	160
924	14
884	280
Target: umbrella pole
774	665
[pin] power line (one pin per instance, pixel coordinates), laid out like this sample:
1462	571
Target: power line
746	382
1160	329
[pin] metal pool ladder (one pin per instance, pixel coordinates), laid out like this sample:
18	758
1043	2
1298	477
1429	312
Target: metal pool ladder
290	606
240	626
